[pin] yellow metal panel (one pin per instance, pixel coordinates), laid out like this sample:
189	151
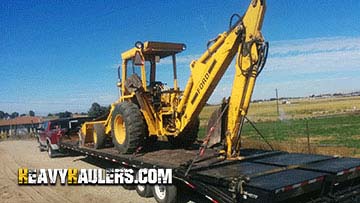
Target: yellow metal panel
129	54
207	72
245	76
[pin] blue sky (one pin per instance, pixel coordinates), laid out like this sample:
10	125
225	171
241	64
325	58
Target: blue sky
62	55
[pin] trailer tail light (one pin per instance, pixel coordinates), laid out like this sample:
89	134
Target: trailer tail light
292	187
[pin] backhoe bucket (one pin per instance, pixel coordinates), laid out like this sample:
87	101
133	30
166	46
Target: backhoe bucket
216	127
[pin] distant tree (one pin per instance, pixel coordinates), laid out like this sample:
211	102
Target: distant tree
7	116
31	113
50	115
23	114
2	115
96	110
14	115
65	114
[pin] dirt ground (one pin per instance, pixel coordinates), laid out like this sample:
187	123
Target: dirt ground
25	153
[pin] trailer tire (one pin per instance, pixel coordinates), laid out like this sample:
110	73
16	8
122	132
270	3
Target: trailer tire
188	136
144	190
128	127
165	193
99	136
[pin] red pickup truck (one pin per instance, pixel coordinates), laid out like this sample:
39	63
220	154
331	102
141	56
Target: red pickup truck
52	131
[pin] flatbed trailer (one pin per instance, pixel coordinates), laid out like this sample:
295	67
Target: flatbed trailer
262	176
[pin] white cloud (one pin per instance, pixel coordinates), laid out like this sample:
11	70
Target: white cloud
319	54
314	45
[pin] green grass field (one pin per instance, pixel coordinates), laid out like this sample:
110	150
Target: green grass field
330	130
331	122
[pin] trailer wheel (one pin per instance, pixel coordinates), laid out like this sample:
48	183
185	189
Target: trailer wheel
99	136
144	190
50	151
165	193
188	136
128	127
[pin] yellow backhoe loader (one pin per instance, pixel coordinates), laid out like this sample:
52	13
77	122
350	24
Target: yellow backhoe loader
147	108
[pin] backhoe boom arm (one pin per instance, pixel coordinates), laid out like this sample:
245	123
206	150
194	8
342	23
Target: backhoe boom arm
244	39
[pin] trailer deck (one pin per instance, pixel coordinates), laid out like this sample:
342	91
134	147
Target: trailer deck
262	176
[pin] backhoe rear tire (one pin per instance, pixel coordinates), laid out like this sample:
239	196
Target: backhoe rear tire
187	137
128	127
99	136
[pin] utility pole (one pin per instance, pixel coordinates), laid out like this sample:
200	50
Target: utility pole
277	102
308	135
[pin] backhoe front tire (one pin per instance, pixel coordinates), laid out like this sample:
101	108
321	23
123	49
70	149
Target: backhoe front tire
128	127
187	137
99	135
